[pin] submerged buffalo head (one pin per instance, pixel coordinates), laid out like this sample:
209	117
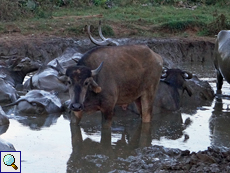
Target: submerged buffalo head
80	81
176	78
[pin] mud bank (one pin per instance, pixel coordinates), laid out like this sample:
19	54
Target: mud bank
46	49
160	159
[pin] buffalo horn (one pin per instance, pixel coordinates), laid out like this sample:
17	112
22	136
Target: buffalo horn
58	68
97	70
100	32
99	43
75	60
61	70
31	83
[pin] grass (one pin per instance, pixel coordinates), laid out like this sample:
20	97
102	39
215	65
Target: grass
135	20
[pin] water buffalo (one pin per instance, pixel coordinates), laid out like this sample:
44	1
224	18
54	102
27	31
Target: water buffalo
170	90
170	93
222	57
7	92
38	102
129	73
16	68
48	78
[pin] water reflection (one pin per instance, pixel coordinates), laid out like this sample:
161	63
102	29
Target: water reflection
38	122
90	154
219	123
168	125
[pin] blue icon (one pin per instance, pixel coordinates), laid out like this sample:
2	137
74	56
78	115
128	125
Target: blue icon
9	160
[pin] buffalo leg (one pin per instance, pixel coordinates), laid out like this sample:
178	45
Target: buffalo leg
145	137
146	108
106	118
138	105
219	81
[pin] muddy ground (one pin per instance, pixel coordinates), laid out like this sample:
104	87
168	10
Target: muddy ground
174	50
161	159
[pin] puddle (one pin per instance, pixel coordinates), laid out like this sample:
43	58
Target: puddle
52	145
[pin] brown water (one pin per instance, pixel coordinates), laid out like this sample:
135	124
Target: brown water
51	145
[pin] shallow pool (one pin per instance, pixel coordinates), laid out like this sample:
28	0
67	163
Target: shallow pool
51	144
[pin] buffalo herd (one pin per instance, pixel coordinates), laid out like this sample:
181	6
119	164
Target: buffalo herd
105	78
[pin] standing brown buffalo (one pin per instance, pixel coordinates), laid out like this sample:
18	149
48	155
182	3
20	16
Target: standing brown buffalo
122	74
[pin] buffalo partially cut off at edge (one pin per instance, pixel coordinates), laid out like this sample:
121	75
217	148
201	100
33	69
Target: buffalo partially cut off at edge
222	57
129	73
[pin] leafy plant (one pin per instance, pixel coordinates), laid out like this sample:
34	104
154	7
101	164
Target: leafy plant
8	10
99	2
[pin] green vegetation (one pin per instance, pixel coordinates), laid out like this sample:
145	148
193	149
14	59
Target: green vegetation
147	18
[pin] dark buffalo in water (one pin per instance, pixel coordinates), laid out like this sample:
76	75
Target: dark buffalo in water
170	93
129	73
48	78
222	57
171	89
15	70
7	92
38	102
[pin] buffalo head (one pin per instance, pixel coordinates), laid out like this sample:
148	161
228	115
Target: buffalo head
176	78
16	68
80	81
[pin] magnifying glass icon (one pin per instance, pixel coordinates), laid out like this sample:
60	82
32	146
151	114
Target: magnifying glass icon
9	160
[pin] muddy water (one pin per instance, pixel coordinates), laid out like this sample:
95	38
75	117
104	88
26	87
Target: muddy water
51	144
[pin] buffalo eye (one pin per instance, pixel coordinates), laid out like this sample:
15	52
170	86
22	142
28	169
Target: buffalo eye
86	83
69	82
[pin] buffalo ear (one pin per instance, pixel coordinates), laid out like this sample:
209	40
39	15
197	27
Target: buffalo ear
164	73
96	89
94	86
187	75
